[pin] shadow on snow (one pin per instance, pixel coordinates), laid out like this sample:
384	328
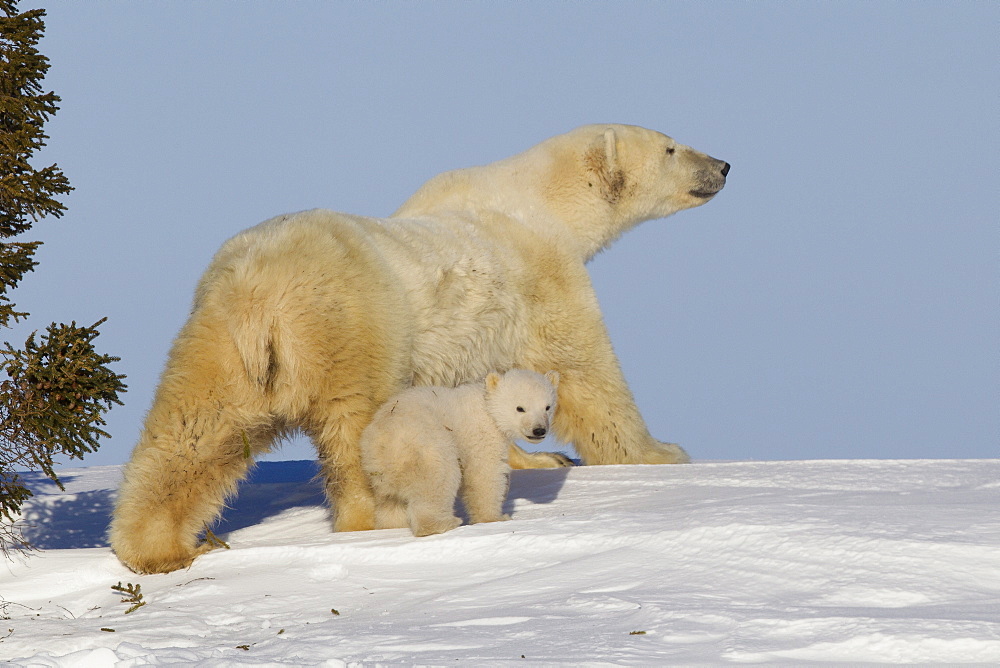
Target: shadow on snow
56	520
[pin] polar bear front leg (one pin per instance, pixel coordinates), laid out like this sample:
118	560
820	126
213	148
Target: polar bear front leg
596	411
604	424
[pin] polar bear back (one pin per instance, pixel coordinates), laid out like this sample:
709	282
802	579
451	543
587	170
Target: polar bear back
456	288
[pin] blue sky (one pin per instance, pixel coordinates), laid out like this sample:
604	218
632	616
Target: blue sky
839	299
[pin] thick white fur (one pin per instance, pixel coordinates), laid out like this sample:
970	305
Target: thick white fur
427	444
310	321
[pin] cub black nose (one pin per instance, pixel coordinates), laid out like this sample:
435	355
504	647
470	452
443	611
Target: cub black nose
725	169
538	432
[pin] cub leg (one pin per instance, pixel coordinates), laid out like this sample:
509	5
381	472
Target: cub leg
485	481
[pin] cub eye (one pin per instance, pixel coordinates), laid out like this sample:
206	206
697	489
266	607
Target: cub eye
548	407
671	150
520	410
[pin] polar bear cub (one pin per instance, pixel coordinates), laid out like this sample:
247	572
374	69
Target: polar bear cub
428	444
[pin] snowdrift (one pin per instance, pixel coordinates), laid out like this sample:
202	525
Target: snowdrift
744	562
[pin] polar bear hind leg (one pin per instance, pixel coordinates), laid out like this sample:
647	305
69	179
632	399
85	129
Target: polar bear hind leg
390	513
198	442
346	485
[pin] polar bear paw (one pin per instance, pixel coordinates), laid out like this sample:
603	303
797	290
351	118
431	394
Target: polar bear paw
666	453
552	460
519	459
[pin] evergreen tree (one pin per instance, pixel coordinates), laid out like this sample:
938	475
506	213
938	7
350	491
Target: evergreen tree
57	387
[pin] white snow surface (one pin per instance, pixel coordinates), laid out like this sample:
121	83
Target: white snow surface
715	562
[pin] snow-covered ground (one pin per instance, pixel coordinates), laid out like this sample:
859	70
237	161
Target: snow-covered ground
745	562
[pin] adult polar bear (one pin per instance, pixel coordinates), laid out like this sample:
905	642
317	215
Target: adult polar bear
311	321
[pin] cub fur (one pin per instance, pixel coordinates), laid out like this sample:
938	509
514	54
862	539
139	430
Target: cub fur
428	444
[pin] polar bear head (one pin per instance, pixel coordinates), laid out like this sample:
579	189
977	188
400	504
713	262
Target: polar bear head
587	186
602	180
522	402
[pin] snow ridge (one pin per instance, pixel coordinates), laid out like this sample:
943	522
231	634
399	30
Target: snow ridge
743	562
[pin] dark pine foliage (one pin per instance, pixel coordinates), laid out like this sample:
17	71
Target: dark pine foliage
56	387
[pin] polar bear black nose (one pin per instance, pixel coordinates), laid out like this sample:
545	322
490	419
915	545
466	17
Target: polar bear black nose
538	432
725	169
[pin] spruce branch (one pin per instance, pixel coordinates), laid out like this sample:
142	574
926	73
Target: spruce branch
130	594
213	541
56	389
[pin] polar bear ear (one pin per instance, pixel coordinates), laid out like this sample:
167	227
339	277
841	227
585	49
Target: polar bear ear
552	377
605	150
611	147
492	381
602	163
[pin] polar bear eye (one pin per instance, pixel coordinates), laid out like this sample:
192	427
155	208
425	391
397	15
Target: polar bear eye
520	409
548	407
671	150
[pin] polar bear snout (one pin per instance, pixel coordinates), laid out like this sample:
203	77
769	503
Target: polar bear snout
710	180
539	433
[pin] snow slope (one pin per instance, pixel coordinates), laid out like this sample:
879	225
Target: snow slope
746	562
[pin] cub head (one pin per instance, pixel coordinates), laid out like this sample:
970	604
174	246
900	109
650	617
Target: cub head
522	402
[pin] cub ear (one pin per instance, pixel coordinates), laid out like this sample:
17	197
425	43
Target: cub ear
492	380
552	377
